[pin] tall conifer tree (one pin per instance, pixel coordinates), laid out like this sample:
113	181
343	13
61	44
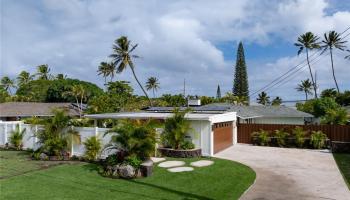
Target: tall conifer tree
218	92
240	83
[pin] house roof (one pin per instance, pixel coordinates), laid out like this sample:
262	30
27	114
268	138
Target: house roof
244	112
29	109
214	117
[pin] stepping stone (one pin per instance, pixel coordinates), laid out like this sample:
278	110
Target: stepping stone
174	163
202	163
157	160
180	169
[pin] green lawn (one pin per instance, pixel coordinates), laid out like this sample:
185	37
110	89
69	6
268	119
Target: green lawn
343	161
223	180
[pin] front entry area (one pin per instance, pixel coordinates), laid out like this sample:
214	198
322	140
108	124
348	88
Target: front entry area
223	136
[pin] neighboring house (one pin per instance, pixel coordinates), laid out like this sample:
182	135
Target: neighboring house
212	132
257	114
14	111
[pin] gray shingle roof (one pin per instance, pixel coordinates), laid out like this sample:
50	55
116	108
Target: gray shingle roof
242	111
28	109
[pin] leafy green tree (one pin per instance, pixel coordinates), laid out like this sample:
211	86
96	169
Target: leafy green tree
57	135
263	99
331	41
343	99
61	76
218	92
331	92
237	100
306	87
79	93
136	138
308	41
93	146
24	78
122	58
43	72
318	107
175	129
240	84
3	95
176	100
276	101
335	116
7	83
16	137
120	87
152	84
207	100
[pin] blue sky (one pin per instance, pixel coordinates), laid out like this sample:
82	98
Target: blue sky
195	40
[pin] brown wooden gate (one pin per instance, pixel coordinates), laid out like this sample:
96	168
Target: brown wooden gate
223	136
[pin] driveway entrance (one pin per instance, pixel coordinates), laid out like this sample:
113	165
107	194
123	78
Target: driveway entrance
288	174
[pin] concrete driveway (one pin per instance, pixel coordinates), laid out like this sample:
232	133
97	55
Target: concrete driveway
285	173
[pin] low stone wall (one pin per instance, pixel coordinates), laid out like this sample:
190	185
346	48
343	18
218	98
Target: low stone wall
190	153
340	147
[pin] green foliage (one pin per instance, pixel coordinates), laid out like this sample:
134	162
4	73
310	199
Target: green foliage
262	137
343	98
240	83
207	100
135	138
281	137
177	100
7	83
318	139
299	135
306	87
218	92
57	134
187	145
237	100
122	88
263	98
331	92
3	95
16	137
276	101
152	84
134	161
335	116
318	107
175	129
93	147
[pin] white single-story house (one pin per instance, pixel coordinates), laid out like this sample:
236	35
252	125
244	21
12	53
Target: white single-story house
212	132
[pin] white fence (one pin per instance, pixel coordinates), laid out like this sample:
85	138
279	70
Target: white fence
31	142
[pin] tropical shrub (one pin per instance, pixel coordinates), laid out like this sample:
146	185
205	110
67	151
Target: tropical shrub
281	137
57	134
175	129
335	116
299	135
134	138
261	137
93	147
318	139
134	161
17	137
187	145
318	107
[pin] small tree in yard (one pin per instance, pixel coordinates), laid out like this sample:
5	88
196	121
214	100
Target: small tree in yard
17	137
318	139
175	129
93	147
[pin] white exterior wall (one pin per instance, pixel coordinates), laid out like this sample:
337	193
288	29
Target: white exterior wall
280	120
200	135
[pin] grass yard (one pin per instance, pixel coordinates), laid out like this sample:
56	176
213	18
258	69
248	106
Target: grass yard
223	180
343	162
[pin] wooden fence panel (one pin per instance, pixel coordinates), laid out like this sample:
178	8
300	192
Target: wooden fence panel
333	132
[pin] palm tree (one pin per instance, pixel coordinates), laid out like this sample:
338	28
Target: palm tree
152	84
276	101
308	41
24	78
122	58
237	100
79	93
305	86
7	83
103	70
331	92
333	41
43	72
263	99
61	76
348	56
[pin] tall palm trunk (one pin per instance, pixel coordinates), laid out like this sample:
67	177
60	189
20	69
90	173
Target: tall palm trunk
76	98
81	105
305	95
335	80
154	94
312	77
137	80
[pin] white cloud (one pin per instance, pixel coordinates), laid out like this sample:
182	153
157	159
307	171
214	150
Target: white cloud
176	38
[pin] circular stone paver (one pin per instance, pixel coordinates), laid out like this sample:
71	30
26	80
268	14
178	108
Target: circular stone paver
157	160
202	163
180	169
174	163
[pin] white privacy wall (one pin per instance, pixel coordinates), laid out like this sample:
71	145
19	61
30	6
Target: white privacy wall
30	141
200	135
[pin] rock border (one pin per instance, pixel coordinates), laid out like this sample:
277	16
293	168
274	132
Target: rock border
176	153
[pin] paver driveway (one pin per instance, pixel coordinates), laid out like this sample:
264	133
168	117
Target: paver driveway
285	173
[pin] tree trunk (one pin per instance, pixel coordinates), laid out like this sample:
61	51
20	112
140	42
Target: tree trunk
154	94
312	77
305	96
137	80
76	98
335	80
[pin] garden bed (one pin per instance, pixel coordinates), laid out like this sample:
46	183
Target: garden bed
340	147
180	153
